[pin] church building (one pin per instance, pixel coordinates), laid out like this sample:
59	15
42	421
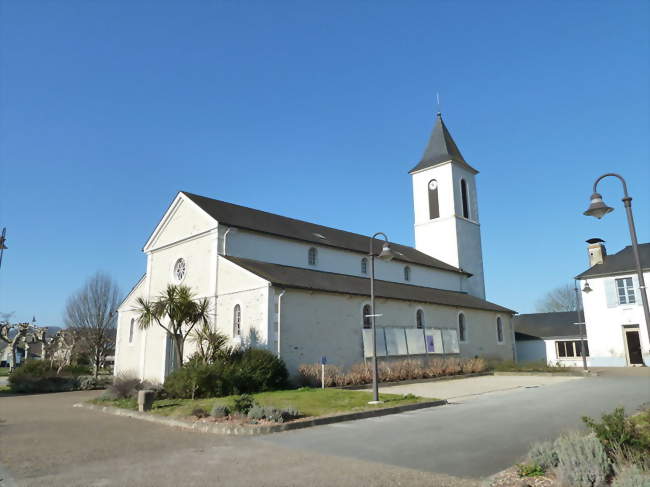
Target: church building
302	290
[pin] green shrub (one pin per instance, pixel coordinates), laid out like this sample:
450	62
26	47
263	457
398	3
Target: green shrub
582	461
36	376
617	432
544	455
256	412
529	470
220	411
124	386
257	370
243	404
631	476
197	380
76	370
200	413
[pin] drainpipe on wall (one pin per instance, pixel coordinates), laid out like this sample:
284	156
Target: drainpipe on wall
280	317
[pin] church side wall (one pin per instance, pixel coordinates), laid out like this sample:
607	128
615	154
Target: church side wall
317	324
127	353
251	293
267	248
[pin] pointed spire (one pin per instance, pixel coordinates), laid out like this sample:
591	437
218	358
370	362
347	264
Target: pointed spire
441	148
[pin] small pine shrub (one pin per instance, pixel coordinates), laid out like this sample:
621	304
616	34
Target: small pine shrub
544	455
200	413
617	432
274	414
631	476
256	412
291	412
529	470
124	386
582	461
243	404
220	411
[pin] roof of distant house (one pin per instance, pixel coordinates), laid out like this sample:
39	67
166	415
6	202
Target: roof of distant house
300	278
547	325
261	221
619	263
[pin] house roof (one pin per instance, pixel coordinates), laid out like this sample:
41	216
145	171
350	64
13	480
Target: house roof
547	325
441	148
299	278
261	221
619	263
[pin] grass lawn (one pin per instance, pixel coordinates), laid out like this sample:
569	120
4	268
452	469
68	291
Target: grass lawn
310	402
642	422
4	371
510	366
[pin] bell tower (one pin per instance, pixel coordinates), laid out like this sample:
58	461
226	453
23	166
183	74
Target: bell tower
446	208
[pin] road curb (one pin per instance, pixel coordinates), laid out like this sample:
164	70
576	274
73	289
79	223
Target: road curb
253	430
570	373
417	381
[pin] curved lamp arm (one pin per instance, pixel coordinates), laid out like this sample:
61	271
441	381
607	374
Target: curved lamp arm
616	176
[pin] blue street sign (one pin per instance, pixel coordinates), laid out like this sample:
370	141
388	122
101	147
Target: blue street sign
323	360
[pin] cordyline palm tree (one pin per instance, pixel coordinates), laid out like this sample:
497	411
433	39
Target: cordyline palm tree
176	311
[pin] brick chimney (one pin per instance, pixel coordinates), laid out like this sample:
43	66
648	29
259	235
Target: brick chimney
597	251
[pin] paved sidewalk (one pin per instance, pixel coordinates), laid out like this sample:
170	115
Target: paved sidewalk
473	387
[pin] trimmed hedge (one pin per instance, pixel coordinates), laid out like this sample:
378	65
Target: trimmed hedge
36	376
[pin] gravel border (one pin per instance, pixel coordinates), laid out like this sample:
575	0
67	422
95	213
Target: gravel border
252	430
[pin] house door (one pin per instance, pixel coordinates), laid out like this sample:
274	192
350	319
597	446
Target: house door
633	343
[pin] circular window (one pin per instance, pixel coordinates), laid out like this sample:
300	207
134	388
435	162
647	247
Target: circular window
179	269
433	185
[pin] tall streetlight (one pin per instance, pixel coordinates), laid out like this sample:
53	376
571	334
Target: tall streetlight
599	209
581	323
387	255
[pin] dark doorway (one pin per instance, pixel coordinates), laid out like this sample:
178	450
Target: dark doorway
634	347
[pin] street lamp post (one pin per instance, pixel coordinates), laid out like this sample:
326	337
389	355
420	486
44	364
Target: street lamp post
599	209
385	254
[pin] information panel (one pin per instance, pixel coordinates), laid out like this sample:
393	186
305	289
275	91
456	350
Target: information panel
433	340
450	340
396	341
415	341
367	342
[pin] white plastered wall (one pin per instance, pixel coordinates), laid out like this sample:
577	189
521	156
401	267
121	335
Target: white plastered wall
314	324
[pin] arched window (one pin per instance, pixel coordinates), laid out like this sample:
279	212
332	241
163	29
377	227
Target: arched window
364	266
464	197
236	321
311	256
434	207
499	330
462	331
407	273
366	319
131	330
419	318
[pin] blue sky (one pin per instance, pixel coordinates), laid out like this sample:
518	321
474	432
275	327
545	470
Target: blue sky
314	110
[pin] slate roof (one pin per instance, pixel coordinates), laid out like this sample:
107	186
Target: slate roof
261	221
441	148
547	325
619	263
299	278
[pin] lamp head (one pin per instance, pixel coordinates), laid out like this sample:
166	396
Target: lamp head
587	289
386	252
598	208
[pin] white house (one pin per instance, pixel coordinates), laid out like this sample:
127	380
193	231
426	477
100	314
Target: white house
302	289
552	338
616	327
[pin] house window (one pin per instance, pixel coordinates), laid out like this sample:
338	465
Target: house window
499	330
311	256
364	266
407	273
625	290
366	319
462	332
236	321
570	348
419	318
434	206
464	198
131	330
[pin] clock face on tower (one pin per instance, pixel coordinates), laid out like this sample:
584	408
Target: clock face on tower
433	185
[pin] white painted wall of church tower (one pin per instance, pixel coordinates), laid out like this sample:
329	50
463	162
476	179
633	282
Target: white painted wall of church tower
450	237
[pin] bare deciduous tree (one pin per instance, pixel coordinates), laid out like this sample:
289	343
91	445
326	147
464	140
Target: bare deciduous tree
91	314
562	298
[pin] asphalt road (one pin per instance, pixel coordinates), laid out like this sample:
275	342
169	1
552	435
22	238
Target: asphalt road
44	441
